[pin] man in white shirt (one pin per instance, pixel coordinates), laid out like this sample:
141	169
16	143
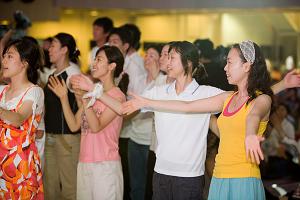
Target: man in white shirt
134	66
101	30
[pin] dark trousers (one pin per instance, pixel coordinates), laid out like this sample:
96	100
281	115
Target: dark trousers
123	150
177	188
137	163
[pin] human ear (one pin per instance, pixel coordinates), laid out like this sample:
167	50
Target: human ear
247	66
64	49
25	64
112	66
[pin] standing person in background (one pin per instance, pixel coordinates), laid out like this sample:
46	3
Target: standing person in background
122	38
101	29
21	107
46	71
141	129
214	69
62	144
135	44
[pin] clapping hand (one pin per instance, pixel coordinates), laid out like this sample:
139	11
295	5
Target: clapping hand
58	87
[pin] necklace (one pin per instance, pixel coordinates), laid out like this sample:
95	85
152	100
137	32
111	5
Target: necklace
236	104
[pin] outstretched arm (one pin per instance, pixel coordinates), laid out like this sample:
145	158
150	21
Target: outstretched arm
291	80
84	83
259	111
212	104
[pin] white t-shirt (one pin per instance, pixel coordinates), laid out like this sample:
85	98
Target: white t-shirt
142	129
181	138
134	67
92	56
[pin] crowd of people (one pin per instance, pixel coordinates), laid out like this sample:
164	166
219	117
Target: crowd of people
187	121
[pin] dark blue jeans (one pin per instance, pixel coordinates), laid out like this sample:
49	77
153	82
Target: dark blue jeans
137	163
177	188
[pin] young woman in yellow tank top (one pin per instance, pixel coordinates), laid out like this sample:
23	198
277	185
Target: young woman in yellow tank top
243	120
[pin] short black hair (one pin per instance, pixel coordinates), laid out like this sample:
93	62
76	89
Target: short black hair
104	22
135	35
123	34
205	47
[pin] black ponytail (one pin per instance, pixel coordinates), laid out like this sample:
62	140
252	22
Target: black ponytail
123	84
200	75
67	40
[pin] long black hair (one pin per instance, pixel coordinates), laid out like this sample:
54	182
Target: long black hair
67	40
259	80
114	55
30	52
189	53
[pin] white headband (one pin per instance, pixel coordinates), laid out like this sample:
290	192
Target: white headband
248	50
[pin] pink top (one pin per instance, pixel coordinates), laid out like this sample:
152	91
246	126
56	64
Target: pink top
104	145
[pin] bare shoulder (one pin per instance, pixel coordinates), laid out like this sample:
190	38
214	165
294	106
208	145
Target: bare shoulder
226	94
263	100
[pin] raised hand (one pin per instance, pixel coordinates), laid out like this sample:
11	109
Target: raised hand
292	79
81	82
253	150
59	88
133	104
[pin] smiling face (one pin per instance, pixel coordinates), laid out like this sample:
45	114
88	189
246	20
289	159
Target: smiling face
101	67
175	68
235	69
12	64
151	58
164	59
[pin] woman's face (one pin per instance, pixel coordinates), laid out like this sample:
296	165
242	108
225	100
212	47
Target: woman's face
12	64
234	68
164	59
100	66
56	52
151	58
175	68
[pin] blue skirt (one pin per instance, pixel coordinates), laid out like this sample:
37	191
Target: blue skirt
236	189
